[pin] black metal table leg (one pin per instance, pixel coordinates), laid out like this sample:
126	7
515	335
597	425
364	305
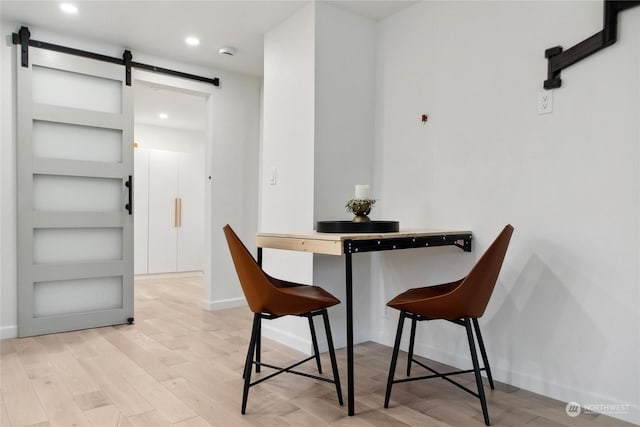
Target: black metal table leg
258	344
350	376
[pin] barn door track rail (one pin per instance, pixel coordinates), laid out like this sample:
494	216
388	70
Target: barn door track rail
559	59
23	38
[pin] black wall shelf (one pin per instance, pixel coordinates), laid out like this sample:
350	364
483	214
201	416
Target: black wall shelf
559	59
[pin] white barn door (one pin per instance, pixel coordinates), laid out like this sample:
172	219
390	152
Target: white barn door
75	225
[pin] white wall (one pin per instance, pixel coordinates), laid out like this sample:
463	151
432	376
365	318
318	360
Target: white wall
8	294
234	180
345	46
564	318
288	145
169	139
288	124
232	162
344	99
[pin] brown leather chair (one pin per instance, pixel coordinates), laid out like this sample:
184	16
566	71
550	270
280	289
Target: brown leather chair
461	302
270	298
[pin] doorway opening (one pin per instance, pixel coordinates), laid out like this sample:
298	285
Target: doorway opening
171	142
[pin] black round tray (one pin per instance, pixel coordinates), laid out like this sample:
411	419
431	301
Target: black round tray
357	227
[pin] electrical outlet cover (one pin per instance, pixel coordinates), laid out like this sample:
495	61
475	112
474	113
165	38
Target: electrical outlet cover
545	102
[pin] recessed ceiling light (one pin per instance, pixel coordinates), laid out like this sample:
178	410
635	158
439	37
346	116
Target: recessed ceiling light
68	8
192	41
163	116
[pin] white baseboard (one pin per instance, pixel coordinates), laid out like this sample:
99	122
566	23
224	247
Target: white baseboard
304	345
222	304
168	275
542	386
286	338
8	332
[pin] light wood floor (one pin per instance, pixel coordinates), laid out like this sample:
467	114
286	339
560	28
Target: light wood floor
179	365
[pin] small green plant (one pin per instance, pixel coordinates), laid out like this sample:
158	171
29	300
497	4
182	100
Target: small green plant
360	206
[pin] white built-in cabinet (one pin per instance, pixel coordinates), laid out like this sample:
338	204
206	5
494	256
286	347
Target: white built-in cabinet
169	211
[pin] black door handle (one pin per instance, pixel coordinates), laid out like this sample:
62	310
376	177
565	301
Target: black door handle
129	185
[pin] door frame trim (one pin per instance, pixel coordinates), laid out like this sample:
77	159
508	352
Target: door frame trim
207	91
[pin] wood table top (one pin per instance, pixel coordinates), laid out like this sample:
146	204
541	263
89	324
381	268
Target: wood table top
333	243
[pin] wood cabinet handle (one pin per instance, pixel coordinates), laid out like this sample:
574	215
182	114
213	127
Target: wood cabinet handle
175	212
179	211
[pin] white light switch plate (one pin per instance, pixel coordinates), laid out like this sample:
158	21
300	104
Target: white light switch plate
273	176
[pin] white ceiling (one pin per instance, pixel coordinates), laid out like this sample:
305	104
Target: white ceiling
372	9
160	27
184	110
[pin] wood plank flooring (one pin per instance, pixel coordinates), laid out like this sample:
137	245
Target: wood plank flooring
179	365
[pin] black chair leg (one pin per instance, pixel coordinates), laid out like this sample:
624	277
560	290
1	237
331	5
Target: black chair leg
250	356
255	330
258	343
394	359
476	369
412	340
332	355
483	353
249	359
314	340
